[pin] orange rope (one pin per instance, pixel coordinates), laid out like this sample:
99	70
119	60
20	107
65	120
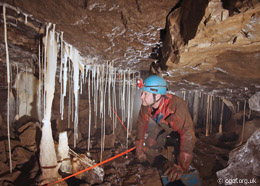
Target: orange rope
119	118
101	163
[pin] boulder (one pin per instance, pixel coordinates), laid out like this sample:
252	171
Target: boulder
243	163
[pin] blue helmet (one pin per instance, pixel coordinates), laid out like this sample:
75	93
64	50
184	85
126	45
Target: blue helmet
155	84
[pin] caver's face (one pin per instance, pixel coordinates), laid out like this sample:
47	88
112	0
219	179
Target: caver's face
147	98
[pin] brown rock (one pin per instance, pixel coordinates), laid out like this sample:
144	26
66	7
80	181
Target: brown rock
28	136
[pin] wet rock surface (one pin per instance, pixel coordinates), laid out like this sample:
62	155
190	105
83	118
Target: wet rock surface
243	164
220	54
24	145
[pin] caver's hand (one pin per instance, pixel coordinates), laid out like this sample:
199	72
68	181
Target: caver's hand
140	150
174	173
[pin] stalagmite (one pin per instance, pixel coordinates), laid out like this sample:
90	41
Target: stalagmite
63	152
48	160
244	122
8	92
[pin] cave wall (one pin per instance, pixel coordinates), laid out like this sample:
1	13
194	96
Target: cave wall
213	46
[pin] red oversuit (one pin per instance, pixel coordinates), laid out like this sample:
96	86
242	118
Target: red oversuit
173	113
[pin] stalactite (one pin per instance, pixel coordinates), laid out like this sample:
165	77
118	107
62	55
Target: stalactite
184	95
123	97
104	107
101	109
109	89
211	113
39	107
82	79
96	95
96	101
17	93
221	118
26	92
60	78
114	102
8	91
249	113
45	57
93	77
42	82
132	103
70	95
64	58
238	106
75	61
207	116
128	108
196	108
93	82
47	149
89	124
101	91
97	88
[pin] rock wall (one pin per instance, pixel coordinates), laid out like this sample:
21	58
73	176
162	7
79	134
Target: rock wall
219	51
243	164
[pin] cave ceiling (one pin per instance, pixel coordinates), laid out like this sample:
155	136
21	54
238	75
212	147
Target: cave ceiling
211	46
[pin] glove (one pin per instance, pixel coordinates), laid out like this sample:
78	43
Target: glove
175	172
140	150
